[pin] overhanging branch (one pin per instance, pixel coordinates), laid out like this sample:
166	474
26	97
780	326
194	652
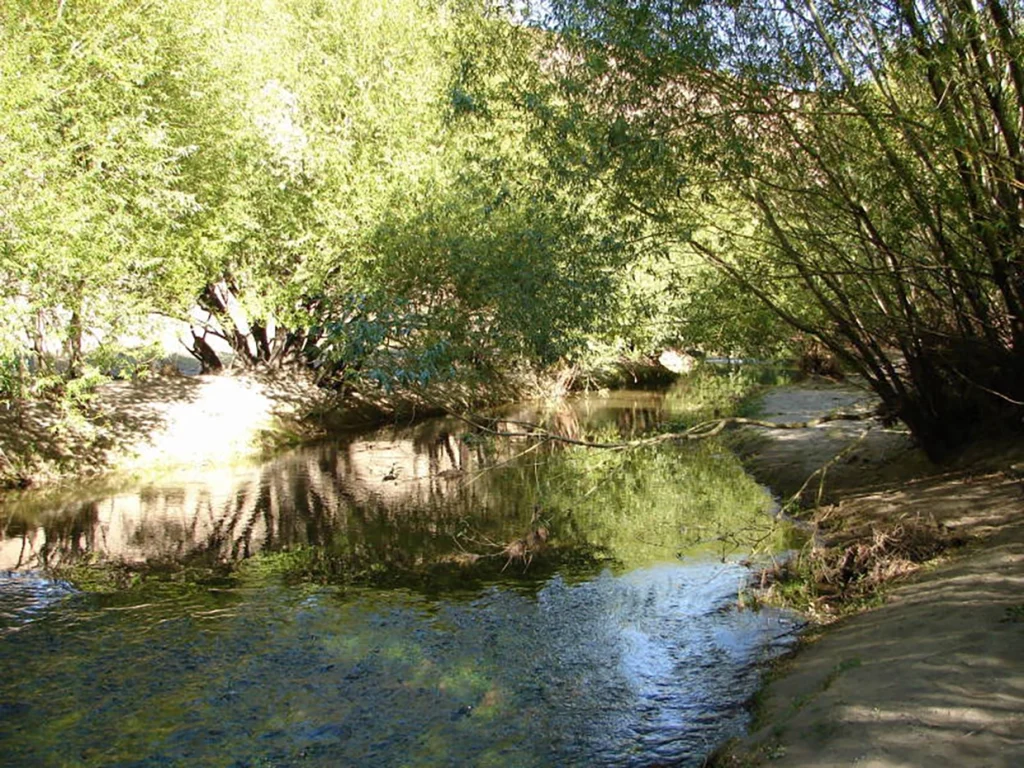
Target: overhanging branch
700	431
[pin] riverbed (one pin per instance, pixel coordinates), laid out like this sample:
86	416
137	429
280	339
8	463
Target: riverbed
418	595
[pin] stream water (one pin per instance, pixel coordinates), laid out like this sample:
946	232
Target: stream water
423	595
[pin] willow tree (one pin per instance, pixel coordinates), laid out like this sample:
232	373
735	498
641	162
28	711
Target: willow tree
483	262
855	165
143	172
100	110
328	181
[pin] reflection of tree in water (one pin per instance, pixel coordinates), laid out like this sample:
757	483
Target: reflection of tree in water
320	504
637	420
70	535
435	498
333	496
583	418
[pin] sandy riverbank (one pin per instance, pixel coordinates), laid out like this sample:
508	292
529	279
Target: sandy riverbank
179	421
934	676
169	421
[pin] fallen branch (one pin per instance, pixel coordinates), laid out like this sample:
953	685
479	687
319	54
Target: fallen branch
700	431
794	500
520	550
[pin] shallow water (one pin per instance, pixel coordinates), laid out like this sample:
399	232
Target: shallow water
361	602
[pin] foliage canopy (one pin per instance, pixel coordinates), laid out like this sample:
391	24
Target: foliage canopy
414	190
856	166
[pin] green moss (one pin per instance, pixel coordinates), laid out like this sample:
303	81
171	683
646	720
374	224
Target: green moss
1014	614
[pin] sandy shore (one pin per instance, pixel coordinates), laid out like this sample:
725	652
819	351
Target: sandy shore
172	421
934	676
188	421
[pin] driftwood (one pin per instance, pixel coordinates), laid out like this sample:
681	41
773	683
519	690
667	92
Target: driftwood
700	431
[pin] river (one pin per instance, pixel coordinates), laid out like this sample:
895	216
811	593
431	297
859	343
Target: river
417	595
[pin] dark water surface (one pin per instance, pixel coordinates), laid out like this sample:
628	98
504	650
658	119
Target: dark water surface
416	596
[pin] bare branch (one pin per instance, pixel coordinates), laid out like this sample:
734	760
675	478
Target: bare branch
700	431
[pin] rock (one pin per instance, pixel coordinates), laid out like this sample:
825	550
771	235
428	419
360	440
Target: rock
677	362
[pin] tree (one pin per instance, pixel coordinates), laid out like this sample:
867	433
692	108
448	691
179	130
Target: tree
89	178
856	166
331	183
461	255
124	179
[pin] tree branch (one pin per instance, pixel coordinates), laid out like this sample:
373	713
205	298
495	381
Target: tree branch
700	431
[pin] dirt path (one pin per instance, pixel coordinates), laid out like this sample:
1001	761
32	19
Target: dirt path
935	675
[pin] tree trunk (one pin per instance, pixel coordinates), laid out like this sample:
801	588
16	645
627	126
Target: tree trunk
75	345
255	343
208	358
